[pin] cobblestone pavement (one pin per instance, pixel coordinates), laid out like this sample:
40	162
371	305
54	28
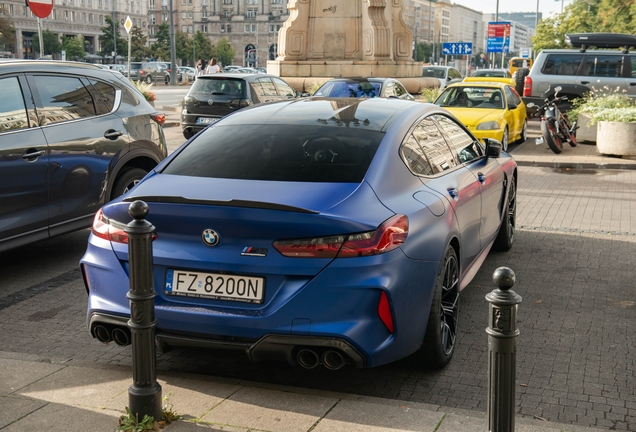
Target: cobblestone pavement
574	262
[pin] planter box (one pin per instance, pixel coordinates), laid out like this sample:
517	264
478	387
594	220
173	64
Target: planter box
585	132
615	138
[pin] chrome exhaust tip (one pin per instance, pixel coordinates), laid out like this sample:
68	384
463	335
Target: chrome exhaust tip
120	336
307	358
333	360
102	334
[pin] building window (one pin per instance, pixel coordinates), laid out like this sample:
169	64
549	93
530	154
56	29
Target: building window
151	4
153	19
183	15
227	2
204	28
65	15
277	1
226	13
252	2
101	19
189	2
204	13
83	17
11	9
183	29
183	2
190	29
90	18
152	31
251	13
273	28
73	16
190	14
164	17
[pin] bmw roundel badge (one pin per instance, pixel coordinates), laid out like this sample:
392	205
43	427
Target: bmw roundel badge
210	237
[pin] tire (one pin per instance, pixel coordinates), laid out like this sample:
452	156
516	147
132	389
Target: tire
505	139
148	79
506	236
126	179
519	77
441	330
549	131
524	133
187	133
566	128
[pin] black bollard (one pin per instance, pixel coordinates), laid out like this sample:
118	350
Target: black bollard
502	352
144	395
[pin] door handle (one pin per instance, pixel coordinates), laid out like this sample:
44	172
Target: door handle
632	84
453	192
585	82
112	134
32	154
481	177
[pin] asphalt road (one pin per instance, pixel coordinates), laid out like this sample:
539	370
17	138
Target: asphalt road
573	260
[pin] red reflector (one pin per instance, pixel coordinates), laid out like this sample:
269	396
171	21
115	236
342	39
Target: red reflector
384	312
390	235
159	118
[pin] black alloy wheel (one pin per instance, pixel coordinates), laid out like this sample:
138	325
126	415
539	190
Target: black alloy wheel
506	236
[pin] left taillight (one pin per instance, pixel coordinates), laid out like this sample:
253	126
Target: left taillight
159	118
110	230
390	235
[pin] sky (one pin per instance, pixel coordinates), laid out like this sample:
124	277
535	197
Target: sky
547	7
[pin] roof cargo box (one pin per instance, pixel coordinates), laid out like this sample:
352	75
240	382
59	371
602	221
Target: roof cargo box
601	40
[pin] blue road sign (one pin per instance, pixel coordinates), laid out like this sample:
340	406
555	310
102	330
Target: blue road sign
457	48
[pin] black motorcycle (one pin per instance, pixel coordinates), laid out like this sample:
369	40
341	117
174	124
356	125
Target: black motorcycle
555	128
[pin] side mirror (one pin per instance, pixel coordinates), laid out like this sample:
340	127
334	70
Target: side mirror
557	89
493	147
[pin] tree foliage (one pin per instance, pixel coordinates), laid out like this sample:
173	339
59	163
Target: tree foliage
183	46
423	52
7	33
203	47
224	51
50	41
107	40
74	47
138	40
586	16
161	48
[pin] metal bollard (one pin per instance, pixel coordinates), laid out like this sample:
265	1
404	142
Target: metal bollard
144	395
502	353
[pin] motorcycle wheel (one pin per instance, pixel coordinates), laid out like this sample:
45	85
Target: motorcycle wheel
549	131
566	127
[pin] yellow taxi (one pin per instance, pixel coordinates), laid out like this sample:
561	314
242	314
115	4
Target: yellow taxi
488	110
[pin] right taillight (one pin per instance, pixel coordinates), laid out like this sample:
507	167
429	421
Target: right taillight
527	86
390	235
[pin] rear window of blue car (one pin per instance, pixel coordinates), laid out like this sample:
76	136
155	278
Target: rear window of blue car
279	153
344	89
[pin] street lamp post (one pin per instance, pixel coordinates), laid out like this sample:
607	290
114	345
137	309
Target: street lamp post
173	51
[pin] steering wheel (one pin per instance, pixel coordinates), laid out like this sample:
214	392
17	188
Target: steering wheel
323	149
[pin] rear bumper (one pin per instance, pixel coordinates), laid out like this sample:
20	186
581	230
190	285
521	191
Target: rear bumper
273	347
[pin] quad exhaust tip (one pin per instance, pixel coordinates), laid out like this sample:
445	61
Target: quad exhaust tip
106	334
309	359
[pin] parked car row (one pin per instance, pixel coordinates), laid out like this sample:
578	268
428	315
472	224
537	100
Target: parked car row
152	72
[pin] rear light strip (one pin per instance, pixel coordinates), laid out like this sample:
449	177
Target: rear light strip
390	235
111	230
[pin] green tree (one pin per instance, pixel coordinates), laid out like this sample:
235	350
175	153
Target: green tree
183	46
203	47
138	44
49	40
74	47
224	51
107	39
7	33
160	50
423	52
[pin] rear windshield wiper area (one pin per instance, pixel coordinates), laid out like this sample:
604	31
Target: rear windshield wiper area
226	203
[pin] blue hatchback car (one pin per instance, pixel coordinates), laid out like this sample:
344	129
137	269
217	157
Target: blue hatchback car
313	231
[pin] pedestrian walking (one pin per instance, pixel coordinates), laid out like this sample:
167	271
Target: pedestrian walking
213	67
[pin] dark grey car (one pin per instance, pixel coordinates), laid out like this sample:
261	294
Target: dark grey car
72	137
212	97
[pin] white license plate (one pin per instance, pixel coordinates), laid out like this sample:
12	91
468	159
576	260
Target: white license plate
215	286
201	120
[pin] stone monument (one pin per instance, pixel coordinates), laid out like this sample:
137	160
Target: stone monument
323	39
